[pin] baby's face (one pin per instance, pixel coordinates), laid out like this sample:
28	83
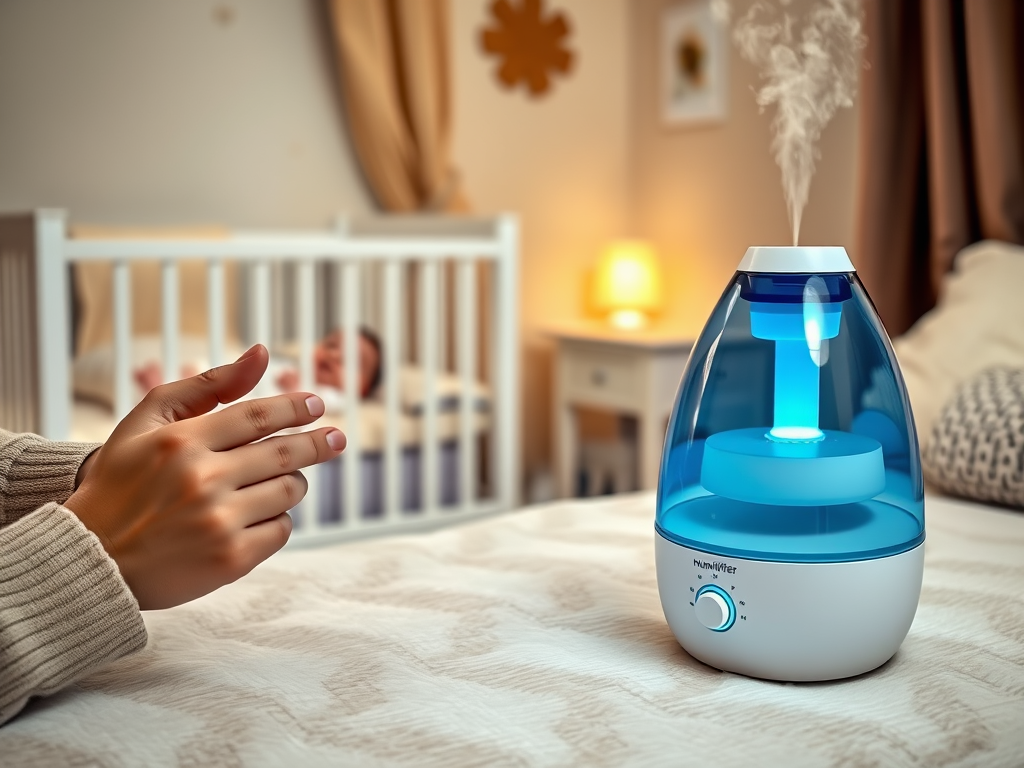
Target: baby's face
329	359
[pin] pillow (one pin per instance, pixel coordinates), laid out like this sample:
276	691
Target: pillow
977	444
978	323
93	372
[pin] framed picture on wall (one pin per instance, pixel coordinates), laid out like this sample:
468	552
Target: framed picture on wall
694	64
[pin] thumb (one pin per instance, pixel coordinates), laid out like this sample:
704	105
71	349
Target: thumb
200	394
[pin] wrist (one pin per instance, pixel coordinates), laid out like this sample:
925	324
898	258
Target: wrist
86	465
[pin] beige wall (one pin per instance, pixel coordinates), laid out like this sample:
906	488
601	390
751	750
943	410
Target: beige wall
704	194
592	160
560	161
149	111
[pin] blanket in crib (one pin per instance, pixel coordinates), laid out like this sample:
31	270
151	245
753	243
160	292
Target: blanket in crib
535	639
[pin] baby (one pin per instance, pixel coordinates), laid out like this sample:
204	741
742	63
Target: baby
328	366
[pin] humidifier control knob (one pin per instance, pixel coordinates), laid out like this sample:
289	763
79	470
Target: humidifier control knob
714	608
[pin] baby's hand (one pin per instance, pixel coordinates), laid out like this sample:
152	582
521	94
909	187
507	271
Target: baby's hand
149	376
288	380
185	500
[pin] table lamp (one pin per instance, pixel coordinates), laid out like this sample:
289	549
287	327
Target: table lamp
627	284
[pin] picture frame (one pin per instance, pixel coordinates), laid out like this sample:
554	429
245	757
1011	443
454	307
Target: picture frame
694	64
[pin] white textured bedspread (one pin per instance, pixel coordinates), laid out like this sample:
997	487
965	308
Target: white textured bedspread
536	638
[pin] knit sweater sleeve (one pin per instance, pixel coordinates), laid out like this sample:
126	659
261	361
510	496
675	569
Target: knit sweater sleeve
64	608
34	471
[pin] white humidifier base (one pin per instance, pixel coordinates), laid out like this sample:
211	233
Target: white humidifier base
788	621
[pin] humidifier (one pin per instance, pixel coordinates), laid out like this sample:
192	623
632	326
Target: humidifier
790	511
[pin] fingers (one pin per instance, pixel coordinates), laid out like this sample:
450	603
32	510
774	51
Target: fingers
260	541
282	454
266	500
251	420
200	394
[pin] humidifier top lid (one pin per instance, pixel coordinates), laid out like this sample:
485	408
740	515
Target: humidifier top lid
815	259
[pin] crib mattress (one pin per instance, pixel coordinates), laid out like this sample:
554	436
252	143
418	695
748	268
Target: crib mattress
536	638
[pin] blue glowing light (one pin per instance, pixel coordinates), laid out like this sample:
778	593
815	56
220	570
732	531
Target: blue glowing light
796	434
800	331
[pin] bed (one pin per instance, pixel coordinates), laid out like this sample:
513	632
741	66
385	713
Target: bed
536	638
439	441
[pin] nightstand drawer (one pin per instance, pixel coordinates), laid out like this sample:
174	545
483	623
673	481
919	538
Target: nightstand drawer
603	376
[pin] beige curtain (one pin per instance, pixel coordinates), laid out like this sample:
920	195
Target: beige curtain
942	143
392	60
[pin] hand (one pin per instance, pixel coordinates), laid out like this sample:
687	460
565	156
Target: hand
185	500
288	380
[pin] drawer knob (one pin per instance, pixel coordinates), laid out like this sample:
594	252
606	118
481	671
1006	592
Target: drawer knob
598	377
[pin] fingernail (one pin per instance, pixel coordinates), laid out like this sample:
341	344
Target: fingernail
315	406
248	353
336	440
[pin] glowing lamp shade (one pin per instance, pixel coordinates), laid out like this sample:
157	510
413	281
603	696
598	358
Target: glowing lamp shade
627	284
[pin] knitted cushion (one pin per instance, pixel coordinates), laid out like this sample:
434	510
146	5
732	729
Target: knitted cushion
977	445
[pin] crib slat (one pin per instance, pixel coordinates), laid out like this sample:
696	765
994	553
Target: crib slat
305	307
467	323
346	295
428	346
52	324
352	462
260	313
122	318
169	323
16	372
391	362
505	380
17	387
215	310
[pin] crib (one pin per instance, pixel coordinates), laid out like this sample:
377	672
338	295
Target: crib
439	292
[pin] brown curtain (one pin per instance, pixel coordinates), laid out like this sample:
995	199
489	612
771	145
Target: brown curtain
942	143
392	60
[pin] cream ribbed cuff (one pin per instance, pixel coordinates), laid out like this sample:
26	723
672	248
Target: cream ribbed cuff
64	608
34	471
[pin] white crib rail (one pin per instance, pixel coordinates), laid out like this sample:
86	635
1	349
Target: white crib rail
392	359
171	326
306	308
467	363
122	314
215	311
52	295
428	360
505	352
349	293
372	259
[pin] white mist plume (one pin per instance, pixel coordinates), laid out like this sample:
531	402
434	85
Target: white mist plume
809	72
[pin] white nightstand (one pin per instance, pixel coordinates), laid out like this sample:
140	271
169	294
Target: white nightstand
633	373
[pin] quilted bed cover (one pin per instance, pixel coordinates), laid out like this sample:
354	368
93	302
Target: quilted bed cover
536	638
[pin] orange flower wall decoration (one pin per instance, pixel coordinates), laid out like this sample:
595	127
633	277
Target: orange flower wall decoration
529	44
